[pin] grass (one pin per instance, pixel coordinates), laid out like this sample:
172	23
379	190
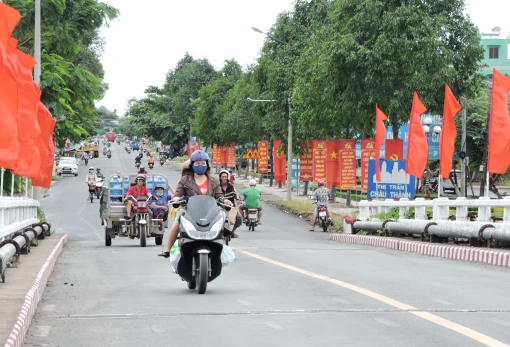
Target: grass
40	215
181	159
305	210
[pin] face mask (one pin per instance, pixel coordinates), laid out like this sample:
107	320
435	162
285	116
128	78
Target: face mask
199	170
159	194
91	171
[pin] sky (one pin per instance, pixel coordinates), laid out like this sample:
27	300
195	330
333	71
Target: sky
150	36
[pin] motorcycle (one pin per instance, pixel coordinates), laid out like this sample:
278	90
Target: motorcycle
151	166
92	191
201	228
323	220
137	165
251	222
105	152
99	187
140	221
161	162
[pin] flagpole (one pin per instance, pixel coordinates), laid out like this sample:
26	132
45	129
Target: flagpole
487	185
439	180
37	191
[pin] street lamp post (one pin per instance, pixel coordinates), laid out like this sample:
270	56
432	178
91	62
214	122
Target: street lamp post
436	130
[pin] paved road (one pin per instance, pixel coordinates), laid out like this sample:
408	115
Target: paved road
288	287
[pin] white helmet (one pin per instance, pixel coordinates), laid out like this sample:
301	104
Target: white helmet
253	182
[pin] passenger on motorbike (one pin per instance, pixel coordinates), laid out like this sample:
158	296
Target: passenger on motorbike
228	188
196	180
159	204
321	195
91	178
139	189
252	200
142	170
99	174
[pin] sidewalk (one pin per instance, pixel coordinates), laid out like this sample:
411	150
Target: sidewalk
19	281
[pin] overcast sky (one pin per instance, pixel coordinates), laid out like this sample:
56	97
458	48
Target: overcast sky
150	36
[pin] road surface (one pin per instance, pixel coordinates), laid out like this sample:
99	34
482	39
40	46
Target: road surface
288	287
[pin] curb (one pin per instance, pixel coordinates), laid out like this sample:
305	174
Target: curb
33	297
477	255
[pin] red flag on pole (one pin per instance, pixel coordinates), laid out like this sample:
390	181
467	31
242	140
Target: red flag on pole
448	133
9	18
417	145
499	125
380	135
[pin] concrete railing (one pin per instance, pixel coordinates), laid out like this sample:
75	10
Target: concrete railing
19	229
440	226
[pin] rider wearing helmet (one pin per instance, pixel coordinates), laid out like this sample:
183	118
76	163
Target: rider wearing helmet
196	180
321	195
142	170
228	188
252	200
151	159
91	176
139	189
99	174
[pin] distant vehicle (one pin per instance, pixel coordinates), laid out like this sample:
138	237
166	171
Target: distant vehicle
110	136
136	146
67	166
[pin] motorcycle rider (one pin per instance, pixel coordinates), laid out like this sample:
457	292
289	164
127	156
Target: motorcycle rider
105	150
109	153
138	159
228	188
151	160
321	195
139	189
142	170
252	200
99	174
196	180
91	178
159	205
86	158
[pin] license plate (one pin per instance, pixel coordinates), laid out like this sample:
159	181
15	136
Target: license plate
142	204
252	214
322	214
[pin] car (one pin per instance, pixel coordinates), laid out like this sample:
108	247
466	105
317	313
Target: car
67	166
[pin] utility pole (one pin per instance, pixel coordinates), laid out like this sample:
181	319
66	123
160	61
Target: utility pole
463	182
289	156
37	191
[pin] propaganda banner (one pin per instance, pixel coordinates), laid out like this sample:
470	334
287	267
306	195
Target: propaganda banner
333	163
319	157
367	152
196	146
394	149
224	154
231	156
263	165
306	163
279	162
216	155
347	154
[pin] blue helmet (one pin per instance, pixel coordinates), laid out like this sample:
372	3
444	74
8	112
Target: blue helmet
199	155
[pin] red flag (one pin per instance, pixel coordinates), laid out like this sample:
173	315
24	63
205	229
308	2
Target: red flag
28	126
9	18
278	163
499	127
9	146
380	135
333	163
46	148
417	145
448	133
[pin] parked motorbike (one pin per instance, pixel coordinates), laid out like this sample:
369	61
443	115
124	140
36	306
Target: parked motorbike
201	227
151	166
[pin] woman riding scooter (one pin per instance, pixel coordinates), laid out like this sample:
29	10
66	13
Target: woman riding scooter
196	180
228	188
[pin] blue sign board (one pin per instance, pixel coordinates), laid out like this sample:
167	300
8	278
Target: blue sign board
295	172
395	182
403	134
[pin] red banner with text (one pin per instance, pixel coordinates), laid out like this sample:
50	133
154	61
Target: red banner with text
264	156
216	155
306	162
319	157
279	162
231	158
333	164
347	154
367	152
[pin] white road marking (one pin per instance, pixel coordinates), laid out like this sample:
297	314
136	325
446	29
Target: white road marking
42	330
388	323
245	303
87	222
342	301
158	328
48	307
274	325
443	302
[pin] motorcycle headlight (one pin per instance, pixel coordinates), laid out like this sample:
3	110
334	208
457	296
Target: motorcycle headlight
216	228
188	226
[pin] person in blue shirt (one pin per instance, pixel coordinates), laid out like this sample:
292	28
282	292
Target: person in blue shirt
159	204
